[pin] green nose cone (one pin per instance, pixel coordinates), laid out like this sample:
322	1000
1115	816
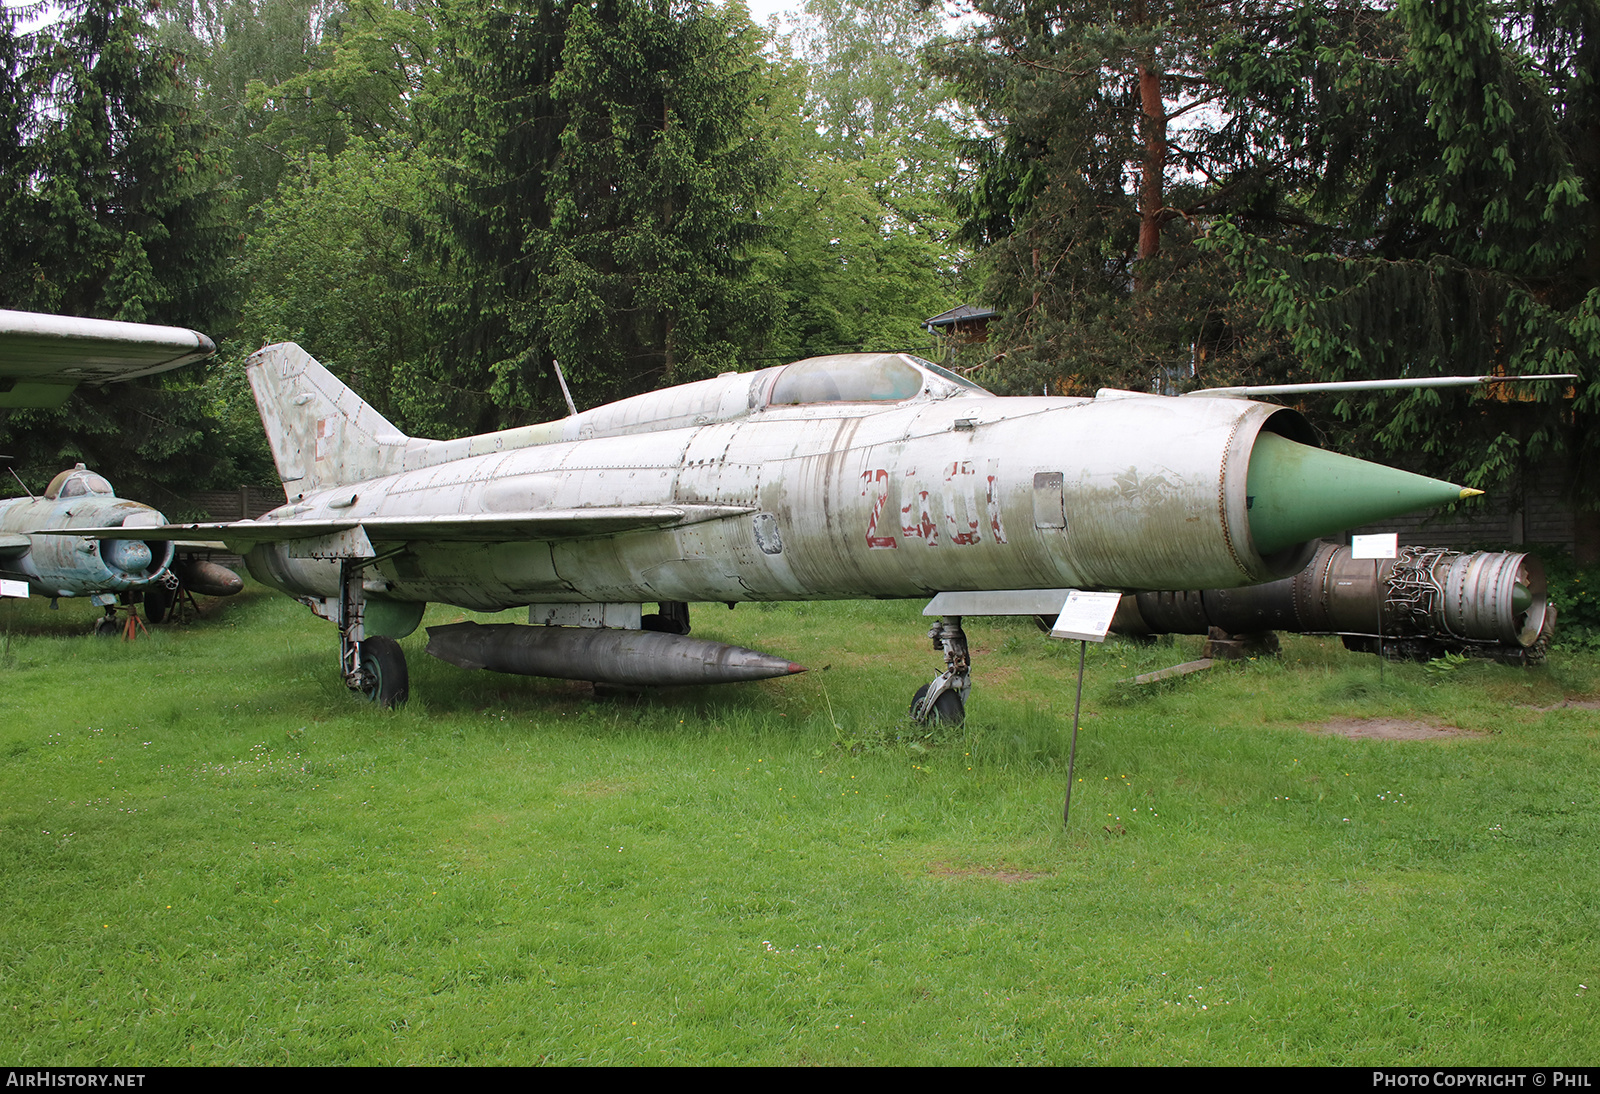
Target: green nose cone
1298	492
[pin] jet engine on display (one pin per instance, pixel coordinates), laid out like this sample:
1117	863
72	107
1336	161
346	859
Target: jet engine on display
1423	604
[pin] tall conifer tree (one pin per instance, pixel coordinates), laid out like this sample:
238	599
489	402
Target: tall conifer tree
1437	169
603	200
116	208
1103	159
1358	190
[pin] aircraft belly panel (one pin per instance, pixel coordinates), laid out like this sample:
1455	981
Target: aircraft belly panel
478	576
619	569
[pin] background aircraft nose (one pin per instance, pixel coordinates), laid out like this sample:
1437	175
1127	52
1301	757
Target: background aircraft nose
1297	492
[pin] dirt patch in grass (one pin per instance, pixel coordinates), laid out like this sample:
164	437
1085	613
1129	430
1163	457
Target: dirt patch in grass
1000	676
1571	704
1004	874
1389	729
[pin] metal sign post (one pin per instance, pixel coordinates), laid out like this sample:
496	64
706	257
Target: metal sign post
1086	617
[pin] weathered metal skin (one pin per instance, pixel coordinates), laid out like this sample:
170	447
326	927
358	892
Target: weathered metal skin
625	657
1435	599
952	490
67	565
850	476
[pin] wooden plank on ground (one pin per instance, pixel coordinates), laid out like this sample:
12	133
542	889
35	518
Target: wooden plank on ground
1176	670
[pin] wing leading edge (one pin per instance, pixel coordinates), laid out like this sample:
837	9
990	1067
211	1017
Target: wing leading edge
45	356
542	524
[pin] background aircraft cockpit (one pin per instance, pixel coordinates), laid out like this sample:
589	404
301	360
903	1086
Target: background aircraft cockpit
76	483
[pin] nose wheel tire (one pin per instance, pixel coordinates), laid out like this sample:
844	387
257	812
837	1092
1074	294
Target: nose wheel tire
384	665
948	709
158	601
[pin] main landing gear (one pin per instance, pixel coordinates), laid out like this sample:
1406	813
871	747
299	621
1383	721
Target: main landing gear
383	671
374	666
944	700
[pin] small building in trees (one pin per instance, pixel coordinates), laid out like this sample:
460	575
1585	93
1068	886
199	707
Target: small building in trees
962	325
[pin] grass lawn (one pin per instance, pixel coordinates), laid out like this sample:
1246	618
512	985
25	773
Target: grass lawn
214	854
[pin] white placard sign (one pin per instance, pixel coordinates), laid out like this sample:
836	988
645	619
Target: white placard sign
1382	545
13	588
1086	616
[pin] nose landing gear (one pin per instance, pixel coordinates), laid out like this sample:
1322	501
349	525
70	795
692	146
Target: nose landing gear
944	700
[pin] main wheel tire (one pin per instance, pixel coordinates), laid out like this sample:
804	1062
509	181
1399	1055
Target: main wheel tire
947	710
158	601
383	660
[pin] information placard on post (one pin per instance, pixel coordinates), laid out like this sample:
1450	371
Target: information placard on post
1384	545
13	588
1380	545
1086	616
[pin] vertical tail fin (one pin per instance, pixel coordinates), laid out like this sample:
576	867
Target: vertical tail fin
322	434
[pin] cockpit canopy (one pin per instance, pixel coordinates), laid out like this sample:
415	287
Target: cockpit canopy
861	378
78	483
872	381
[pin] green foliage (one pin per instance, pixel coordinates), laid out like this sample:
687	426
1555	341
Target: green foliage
1436	216
237	51
852	271
282	80
117	207
602	200
331	265
1440	667
1575	592
1086	198
653	217
374	61
861	249
1347	190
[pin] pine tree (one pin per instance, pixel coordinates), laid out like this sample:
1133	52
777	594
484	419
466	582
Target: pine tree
118	206
1359	189
115	208
1101	166
1435	213
602	202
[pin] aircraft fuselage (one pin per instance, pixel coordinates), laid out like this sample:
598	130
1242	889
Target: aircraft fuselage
58	565
835	501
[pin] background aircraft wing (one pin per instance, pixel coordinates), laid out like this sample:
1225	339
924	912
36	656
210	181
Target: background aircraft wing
43	357
539	524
